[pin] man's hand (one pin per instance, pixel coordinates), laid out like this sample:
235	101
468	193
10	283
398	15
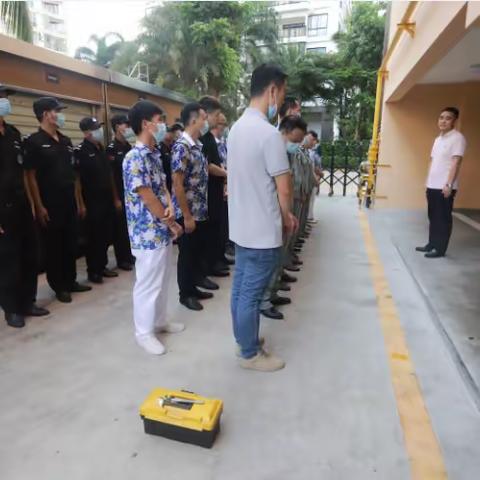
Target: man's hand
82	211
190	224
290	223
447	191
42	215
118	205
176	229
2	231
169	216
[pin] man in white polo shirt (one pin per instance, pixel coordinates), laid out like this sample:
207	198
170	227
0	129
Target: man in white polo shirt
442	182
259	202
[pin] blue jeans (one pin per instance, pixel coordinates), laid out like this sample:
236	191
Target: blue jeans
253	270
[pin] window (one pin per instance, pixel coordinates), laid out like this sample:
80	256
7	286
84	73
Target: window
52	8
317	50
293	30
317	25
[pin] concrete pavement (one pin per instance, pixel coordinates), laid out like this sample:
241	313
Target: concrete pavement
72	382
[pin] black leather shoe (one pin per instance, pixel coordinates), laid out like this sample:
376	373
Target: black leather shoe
434	254
199	295
221	265
427	248
292	268
107	273
272	313
64	297
35	311
229	261
288	278
277	300
297	262
128	267
284	287
207	284
191	303
79	288
219	273
300	241
15	320
297	250
95	278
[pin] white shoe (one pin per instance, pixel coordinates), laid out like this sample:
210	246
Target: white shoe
151	345
172	327
262	362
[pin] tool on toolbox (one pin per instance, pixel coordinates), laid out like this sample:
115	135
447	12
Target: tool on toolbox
182	415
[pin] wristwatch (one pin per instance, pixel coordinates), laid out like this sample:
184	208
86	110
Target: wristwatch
449	186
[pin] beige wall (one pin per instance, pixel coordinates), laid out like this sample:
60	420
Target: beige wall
408	131
439	26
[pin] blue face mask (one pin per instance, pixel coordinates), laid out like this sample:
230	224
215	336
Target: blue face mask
5	107
97	135
60	120
272	112
129	134
293	147
160	132
205	129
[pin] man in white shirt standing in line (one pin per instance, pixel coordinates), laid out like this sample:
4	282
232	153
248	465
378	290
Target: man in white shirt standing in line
442	182
259	205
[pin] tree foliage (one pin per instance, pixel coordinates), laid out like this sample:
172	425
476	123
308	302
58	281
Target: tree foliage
15	18
105	49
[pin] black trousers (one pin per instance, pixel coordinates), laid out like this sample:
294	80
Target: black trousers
191	256
121	240
440	217
61	236
18	258
99	227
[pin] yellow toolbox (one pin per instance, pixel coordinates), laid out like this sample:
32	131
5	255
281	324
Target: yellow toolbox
181	415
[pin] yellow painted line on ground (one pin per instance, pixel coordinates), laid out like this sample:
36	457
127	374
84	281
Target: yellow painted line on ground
425	456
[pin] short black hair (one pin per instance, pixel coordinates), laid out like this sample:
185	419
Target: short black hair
188	109
210	104
291	122
288	103
314	134
263	76
175	127
454	110
142	110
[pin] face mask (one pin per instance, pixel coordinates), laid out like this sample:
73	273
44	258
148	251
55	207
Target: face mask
272	111
225	133
97	135
293	147
5	107
60	120
160	132
129	134
206	128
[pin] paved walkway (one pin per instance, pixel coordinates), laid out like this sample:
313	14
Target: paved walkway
71	383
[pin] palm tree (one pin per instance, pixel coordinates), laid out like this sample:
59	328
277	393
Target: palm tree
106	49
15	19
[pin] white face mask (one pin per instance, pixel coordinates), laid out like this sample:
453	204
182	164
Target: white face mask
129	134
97	135
5	107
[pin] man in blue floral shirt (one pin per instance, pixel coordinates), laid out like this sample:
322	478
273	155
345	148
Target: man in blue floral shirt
190	183
151	226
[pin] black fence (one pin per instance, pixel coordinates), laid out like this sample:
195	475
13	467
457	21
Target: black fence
341	163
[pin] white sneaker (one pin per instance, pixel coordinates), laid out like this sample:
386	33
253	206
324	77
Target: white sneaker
172	327
151	345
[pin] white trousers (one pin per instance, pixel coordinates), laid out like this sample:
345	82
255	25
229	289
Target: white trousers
150	292
311	208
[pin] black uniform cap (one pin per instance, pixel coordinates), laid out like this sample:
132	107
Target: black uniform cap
119	119
89	123
46	104
6	90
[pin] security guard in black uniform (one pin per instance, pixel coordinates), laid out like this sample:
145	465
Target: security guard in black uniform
97	189
18	248
116	152
50	166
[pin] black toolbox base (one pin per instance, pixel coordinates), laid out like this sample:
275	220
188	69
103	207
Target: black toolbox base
203	439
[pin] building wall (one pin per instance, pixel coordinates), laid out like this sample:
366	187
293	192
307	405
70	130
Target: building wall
409	128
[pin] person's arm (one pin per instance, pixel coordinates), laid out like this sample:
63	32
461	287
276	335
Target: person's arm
28	191
216	171
285	199
452	175
81	209
40	211
178	179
